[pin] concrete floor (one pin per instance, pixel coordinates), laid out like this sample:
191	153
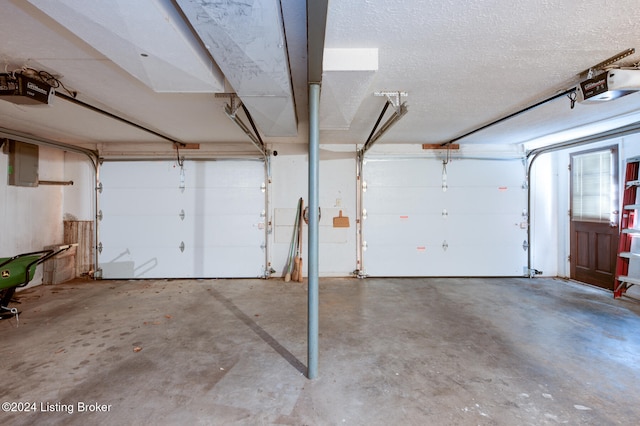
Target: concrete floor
392	352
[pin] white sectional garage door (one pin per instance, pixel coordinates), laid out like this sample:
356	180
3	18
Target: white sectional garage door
412	227
161	221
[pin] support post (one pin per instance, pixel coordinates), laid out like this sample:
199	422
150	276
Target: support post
312	272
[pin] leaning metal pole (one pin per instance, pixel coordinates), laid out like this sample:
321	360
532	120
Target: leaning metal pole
312	272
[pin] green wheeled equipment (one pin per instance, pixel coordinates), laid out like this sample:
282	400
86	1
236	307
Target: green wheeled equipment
18	271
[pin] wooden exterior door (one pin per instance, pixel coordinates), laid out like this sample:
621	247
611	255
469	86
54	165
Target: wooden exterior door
594	216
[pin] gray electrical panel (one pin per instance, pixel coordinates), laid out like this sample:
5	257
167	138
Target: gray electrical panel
23	164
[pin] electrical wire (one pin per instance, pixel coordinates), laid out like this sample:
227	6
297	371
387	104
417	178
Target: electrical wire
49	78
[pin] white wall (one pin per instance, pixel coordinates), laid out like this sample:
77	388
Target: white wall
31	218
79	198
547	198
337	187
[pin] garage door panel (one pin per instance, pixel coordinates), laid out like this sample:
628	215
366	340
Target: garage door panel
398	260
401	201
222	262
474	228
479	260
486	173
223	174
214	230
482	199
150	174
464	260
393	195
194	262
415	229
147	230
402	173
485	228
433	260
205	229
228	201
142	261
141	201
489	200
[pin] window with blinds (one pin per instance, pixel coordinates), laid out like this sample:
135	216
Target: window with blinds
594	183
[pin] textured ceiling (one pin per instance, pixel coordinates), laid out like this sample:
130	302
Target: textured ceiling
463	65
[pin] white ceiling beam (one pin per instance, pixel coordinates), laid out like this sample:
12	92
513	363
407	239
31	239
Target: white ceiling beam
247	41
147	38
346	80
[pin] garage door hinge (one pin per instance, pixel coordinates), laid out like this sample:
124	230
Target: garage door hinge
182	215
99	187
99	215
99	247
181	246
525	245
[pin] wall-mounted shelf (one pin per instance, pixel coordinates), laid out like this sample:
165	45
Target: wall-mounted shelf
628	231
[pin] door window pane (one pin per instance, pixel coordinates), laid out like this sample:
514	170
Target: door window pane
593	192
